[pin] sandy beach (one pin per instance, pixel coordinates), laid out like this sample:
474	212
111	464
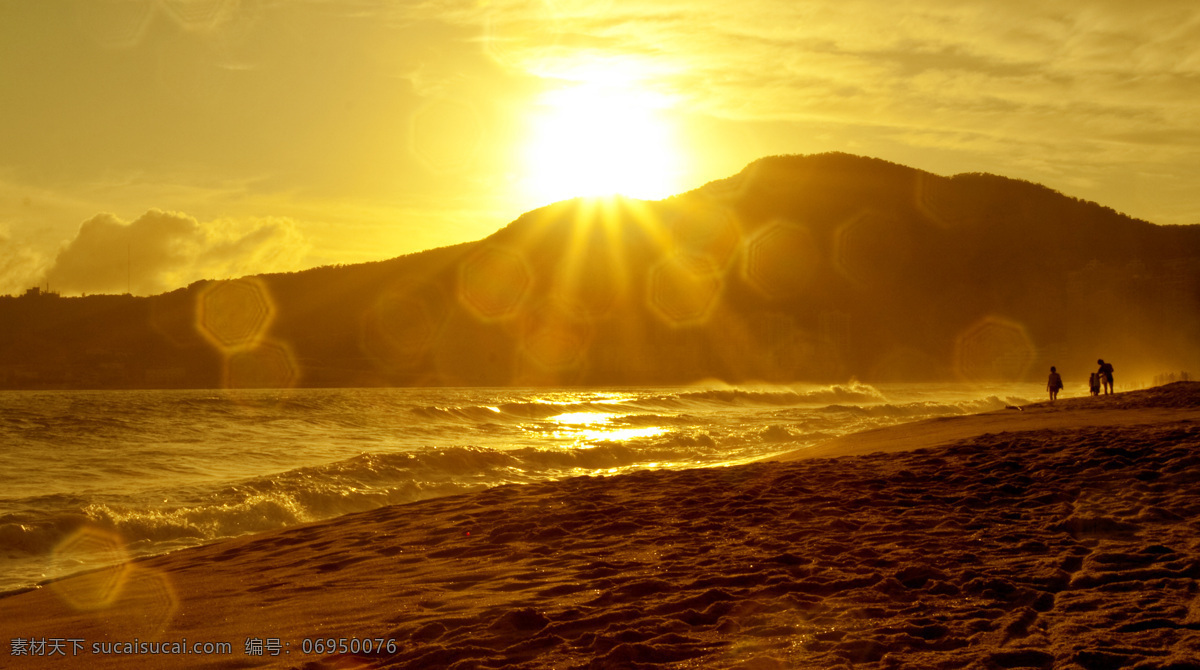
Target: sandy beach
1062	535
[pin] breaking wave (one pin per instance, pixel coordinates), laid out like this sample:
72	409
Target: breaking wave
164	470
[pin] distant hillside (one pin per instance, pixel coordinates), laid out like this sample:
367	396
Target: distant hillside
799	268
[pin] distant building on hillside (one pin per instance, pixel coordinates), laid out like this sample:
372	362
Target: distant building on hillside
37	292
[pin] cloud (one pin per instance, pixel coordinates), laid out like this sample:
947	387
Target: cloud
18	266
1084	84
162	251
924	64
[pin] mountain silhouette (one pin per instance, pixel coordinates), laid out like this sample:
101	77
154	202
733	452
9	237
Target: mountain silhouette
799	268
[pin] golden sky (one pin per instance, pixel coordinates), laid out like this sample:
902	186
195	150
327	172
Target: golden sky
150	143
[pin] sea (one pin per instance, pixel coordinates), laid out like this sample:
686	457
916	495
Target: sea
89	478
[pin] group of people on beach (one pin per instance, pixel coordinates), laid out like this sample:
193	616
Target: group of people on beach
1103	376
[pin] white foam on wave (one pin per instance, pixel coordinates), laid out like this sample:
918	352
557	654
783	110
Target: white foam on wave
196	467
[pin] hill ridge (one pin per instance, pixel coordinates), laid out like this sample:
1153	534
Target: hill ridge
798	268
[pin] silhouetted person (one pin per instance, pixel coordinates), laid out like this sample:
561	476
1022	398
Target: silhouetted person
1054	383
1106	375
1094	383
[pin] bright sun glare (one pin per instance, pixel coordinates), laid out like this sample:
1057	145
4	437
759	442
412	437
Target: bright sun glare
594	140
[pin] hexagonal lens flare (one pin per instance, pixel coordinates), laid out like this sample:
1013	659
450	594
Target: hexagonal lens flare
683	290
936	199
235	314
269	365
98	588
994	349
871	248
147	602
398	330
494	282
554	339
709	232
780	259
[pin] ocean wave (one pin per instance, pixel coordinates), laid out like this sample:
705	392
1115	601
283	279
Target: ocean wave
655	403
856	392
37	533
776	433
469	413
301	495
654	420
516	411
174	469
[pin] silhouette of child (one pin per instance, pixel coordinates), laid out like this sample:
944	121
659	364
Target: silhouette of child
1094	383
1054	383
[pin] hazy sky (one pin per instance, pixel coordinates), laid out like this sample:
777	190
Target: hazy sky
149	143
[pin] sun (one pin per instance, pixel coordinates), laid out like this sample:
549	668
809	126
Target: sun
601	139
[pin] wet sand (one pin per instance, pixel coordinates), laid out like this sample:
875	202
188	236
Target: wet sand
1064	536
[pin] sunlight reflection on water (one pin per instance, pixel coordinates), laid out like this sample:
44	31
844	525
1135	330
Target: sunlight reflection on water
168	469
577	418
591	427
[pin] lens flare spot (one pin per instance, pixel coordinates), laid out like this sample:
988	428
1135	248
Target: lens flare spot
148	602
710	233
780	259
554	339
684	290
871	248
236	314
938	201
994	349
398	330
99	588
270	365
493	283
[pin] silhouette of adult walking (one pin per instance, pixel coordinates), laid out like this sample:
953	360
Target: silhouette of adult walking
1106	375
1054	384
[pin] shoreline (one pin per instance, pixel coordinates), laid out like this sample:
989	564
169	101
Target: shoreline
1003	536
1065	413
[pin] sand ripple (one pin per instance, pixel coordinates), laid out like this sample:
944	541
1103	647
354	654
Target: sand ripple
1048	548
